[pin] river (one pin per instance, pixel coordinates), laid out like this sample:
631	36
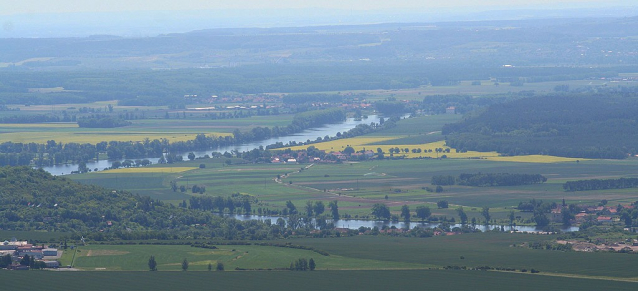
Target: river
355	224
308	134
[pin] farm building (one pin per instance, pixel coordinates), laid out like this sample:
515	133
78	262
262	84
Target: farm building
52	264
50	252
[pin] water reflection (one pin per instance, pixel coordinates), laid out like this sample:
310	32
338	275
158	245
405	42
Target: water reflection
355	224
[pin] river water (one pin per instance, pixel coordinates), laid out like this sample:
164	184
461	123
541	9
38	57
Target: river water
355	224
308	134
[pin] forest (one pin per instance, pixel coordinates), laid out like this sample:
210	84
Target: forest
36	200
567	125
140	87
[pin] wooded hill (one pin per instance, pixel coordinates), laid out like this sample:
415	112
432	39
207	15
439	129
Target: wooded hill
580	126
35	200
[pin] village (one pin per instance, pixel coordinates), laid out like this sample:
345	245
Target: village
21	255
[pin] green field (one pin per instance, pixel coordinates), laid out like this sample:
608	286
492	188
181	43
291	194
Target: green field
318	280
480	249
170	257
496	250
407	262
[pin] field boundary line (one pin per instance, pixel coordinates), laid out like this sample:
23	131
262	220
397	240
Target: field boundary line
567	275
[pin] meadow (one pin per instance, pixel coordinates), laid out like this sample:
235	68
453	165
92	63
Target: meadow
170	257
492	249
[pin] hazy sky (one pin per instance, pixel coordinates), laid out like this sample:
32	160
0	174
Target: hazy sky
9	7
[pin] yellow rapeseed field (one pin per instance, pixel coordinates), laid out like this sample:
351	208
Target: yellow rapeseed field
94	137
535	159
149	170
368	143
40	125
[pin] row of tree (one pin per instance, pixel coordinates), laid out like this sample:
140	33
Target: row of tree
219	203
303	265
600	184
489	179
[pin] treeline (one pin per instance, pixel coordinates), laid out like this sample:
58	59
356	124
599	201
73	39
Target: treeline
579	126
36	118
317	118
390	107
600	184
233	203
102	121
489	179
51	153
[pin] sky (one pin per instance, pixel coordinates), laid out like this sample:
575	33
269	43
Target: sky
143	18
9	7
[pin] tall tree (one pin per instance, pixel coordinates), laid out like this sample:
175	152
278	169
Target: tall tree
442	204
309	208
348	150
334	209
486	214
291	207
26	261
462	215
185	264
381	211
423	212
152	264
405	213
311	264
319	207
220	266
